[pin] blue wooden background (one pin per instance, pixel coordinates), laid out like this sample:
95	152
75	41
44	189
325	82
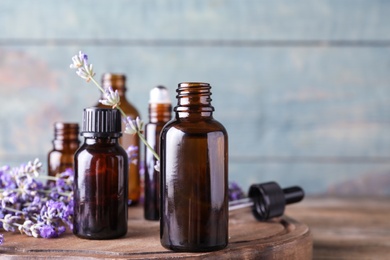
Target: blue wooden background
303	87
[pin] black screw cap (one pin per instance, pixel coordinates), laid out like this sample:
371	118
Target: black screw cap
270	200
101	122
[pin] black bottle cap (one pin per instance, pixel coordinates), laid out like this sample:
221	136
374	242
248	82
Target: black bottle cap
101	122
268	200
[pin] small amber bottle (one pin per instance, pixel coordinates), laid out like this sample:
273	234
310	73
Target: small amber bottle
194	175
159	114
100	185
65	144
128	142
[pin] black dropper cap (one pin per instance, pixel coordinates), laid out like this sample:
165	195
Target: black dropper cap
270	200
101	122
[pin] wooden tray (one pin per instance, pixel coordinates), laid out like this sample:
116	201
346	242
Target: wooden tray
282	238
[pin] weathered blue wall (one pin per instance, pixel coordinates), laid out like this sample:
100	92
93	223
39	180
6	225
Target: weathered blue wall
303	87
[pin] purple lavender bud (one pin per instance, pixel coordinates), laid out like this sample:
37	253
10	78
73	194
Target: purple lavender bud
67	173
83	57
47	231
235	192
54	205
26	227
8	222
60	184
61	230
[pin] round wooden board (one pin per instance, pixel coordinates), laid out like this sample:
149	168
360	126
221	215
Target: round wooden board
282	238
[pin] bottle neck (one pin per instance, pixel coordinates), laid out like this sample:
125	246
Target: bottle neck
101	140
193	100
159	113
66	136
116	81
65	145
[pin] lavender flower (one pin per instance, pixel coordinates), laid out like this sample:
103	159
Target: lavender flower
83	69
32	169
6	179
133	126
67	213
132	154
67	178
35	229
235	192
33	208
60	184
26	228
8	222
79	61
111	97
1	239
48	231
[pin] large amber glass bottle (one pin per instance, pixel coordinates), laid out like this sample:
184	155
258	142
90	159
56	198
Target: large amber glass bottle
65	143
159	114
100	184
128	142
194	174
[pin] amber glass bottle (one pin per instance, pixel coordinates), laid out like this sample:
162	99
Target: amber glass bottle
65	144
118	82
194	175
100	185
159	114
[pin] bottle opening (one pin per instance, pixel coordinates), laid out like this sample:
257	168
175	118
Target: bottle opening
116	81
68	131
194	97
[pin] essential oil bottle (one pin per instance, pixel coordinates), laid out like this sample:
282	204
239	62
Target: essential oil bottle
159	114
65	144
101	175
194	174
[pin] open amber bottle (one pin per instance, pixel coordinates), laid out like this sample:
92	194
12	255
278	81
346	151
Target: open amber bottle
128	142
194	174
100	184
65	144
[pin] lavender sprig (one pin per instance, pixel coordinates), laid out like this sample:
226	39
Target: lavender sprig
35	208
111	98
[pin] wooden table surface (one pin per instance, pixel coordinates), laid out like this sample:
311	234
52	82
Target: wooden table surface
357	228
339	229
282	238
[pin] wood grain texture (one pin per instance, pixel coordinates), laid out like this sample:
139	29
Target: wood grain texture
349	228
278	239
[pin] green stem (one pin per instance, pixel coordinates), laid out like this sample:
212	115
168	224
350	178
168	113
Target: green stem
47	177
97	84
65	194
148	145
1	190
14	210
